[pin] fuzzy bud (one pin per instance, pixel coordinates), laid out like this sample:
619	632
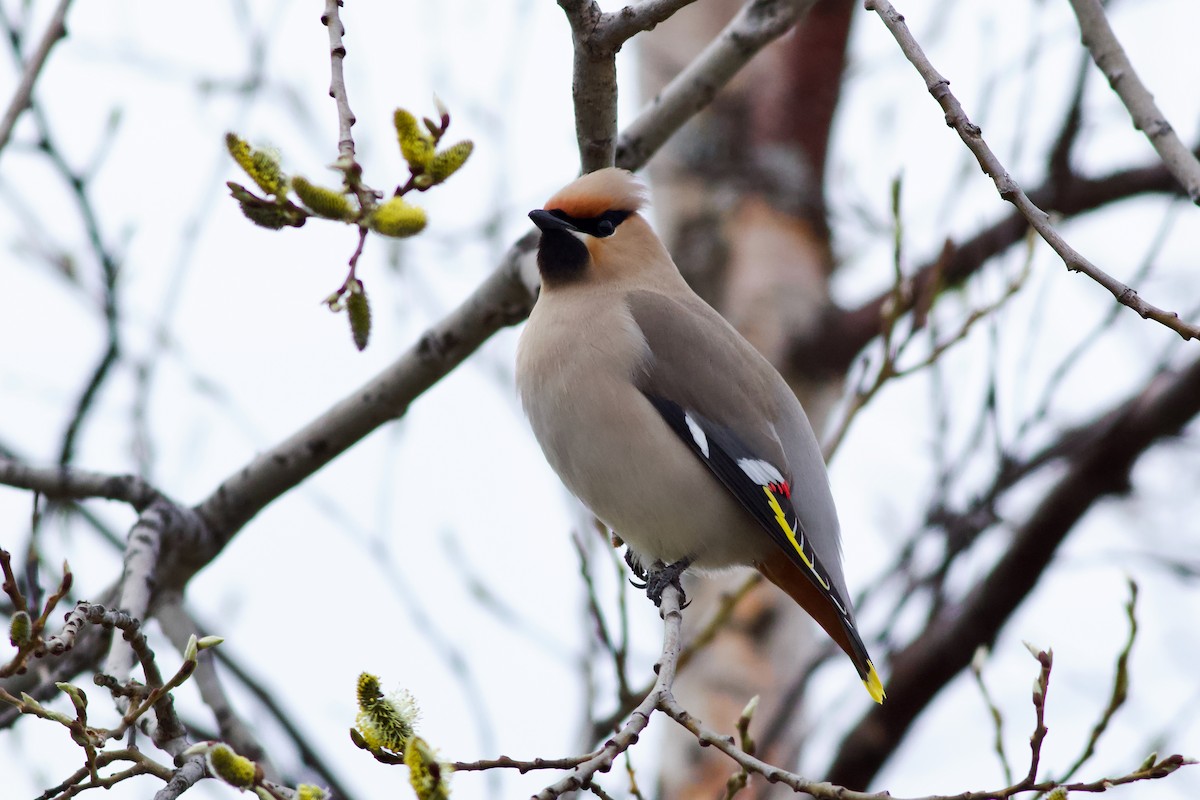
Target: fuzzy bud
443	112
265	213
232	768
78	698
447	162
20	630
384	723
398	218
206	642
425	773
323	202
358	309
261	165
415	144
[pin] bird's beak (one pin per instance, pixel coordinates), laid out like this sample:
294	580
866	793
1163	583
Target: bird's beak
548	222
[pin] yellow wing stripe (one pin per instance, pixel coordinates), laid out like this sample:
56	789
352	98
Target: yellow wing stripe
781	518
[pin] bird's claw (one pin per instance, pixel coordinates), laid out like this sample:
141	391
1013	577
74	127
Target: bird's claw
636	567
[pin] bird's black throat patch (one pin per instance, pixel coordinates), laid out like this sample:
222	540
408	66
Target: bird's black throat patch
562	257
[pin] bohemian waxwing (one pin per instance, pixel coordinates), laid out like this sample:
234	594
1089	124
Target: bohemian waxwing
665	422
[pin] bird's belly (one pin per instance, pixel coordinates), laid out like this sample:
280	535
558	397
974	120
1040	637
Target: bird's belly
620	458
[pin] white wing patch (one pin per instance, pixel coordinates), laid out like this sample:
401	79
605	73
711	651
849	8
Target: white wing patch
697	434
759	471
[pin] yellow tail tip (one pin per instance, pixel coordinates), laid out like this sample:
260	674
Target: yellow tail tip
874	685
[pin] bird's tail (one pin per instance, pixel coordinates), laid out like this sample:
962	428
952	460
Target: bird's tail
780	570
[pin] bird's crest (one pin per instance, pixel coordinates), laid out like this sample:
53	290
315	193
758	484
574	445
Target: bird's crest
609	189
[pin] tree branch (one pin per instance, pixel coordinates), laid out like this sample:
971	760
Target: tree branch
1110	57
1008	188
593	85
69	483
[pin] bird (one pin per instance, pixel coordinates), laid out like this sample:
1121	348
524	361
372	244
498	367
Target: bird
665	422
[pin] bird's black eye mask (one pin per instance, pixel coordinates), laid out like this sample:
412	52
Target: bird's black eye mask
601	226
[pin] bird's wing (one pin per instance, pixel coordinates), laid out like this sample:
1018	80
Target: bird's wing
758	485
729	406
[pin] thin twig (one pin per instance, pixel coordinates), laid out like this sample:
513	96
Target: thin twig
332	20
504	762
600	623
56	30
1008	188
1110	57
1120	689
993	711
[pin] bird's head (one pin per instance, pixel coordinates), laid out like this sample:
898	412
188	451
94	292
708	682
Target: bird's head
592	231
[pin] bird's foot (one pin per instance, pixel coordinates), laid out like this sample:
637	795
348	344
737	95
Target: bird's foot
660	577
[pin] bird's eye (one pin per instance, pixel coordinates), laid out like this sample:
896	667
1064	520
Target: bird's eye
607	222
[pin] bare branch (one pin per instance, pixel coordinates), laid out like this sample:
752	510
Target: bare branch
331	19
618	27
139	579
69	483
758	24
1008	188
192	771
56	30
504	762
1110	57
